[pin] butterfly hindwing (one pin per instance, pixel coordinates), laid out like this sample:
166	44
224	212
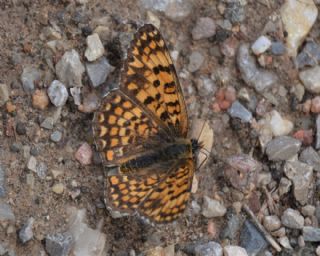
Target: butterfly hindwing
160	198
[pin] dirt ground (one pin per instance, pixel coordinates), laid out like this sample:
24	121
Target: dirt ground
21	24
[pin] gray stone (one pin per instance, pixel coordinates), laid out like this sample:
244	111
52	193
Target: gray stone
230	231
234	12
26	233
47	123
76	95
21	128
212	208
196	60
69	69
2	181
251	239
95	48
271	223
32	164
278	48
308	210
255	77
211	248
98	71
41	170
292	219
56	136
262	44
301	176
318	132
282	148
309	56
311	79
175	10
284	186
6	212
239	111
59	244
4	94
311	234
58	93
204	28
232	250
28	77
310	157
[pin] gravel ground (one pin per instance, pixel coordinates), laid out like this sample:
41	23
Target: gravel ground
249	68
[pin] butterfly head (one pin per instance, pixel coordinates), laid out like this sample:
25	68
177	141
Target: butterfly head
196	146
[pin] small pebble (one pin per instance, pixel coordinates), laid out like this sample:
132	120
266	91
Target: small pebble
255	77
2	182
40	99
317	146
58	93
26	232
311	79
284	241
310	157
10	107
311	234
278	48
58	188
315	105
21	128
279	125
210	248
69	69
271	223
305	136
309	56
292	219
205	27
47	123
6	212
4	94
251	239
59	244
32	164
231	250
84	154
196	60
284	186
237	110
262	44
56	136
98	71
95	48
29	77
212	208
282	148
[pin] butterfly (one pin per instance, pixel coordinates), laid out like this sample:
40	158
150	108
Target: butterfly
142	128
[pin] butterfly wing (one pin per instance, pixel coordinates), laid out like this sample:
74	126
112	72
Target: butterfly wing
149	78
160	198
121	128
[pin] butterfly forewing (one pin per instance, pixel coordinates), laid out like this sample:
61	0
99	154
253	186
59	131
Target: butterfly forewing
149	78
121	128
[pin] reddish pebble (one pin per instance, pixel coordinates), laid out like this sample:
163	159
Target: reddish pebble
212	230
306	107
230	94
305	136
215	107
84	154
220	95
40	99
315	105
10	107
224	105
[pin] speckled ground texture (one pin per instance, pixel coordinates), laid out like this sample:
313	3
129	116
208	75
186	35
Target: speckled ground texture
24	36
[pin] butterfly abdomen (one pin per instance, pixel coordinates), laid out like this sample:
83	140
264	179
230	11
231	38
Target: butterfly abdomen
172	151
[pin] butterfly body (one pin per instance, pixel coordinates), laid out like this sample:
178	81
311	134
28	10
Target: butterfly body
142	128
